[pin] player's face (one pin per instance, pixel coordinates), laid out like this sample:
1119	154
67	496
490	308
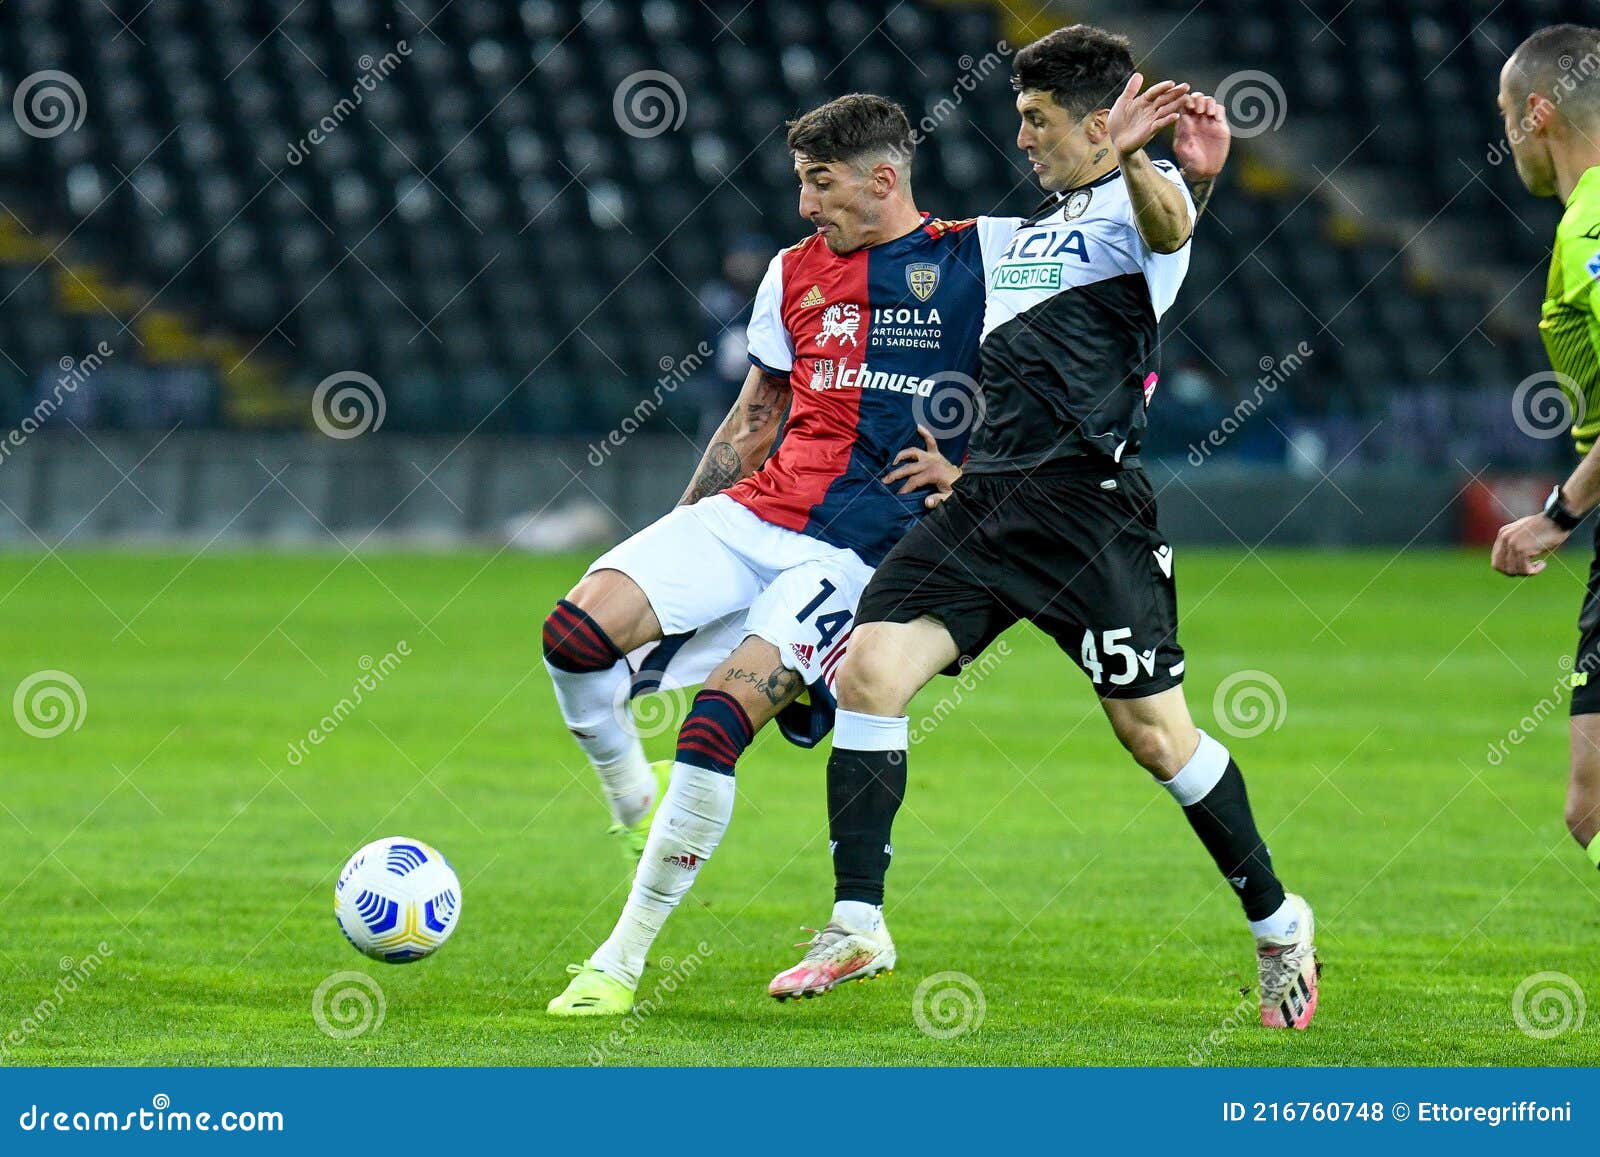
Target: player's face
838	200
1058	144
1530	148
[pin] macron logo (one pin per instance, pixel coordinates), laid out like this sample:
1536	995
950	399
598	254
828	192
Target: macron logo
1163	555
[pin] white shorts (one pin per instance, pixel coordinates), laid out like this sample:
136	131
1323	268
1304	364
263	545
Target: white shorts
717	570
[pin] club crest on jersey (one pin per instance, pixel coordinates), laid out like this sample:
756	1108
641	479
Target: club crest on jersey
840	321
1077	204
922	278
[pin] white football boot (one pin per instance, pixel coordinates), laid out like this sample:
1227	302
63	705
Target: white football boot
833	956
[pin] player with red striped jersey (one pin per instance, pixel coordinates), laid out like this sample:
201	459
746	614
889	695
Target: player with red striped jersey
862	392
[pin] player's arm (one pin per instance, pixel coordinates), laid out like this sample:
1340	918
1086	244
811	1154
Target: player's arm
1520	547
1160	209
1200	142
743	441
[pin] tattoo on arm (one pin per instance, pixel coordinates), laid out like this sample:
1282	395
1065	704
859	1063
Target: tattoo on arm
721	469
777	686
766	408
1201	192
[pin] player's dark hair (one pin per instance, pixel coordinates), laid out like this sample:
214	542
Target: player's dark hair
1082	67
856	128
1561	62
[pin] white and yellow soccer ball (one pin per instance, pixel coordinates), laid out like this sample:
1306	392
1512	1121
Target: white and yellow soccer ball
397	900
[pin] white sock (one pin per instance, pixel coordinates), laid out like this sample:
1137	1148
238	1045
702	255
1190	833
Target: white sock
1281	925
857	731
588	702
1196	778
857	915
693	815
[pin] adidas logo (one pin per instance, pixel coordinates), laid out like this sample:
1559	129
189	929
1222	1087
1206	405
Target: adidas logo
803	652
688	861
812	298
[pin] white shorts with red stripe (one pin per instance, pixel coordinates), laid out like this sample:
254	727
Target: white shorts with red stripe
717	570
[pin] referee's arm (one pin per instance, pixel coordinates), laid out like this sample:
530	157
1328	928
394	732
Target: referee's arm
1520	546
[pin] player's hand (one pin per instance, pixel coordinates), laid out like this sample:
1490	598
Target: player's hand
1520	545
1137	117
1202	138
919	468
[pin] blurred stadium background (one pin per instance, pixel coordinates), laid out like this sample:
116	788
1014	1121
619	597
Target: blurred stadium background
462	269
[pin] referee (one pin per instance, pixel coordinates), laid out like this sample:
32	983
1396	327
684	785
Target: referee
1053	519
1551	105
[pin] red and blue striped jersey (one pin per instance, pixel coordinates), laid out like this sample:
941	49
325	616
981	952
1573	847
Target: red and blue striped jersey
874	343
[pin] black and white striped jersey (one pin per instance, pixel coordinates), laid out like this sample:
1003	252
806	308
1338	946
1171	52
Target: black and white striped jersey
1069	346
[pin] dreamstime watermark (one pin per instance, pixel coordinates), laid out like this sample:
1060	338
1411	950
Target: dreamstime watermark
1549	705
348	1004
674	973
1243	1015
48	703
649	103
156	1119
646	714
348	404
1254	101
973	672
948	404
374	672
674	372
1548	1004
1574	71
1547	404
1248	703
74	372
973	73
948	1004
373	73
1274	372
73	973
48	103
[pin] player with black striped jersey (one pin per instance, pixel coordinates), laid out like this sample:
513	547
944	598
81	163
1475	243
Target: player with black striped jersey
1053	520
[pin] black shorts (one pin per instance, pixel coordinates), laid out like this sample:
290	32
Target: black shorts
1078	555
1586	663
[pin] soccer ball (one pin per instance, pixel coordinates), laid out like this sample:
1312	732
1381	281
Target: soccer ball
397	900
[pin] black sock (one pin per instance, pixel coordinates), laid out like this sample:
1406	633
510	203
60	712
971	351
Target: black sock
865	789
1225	826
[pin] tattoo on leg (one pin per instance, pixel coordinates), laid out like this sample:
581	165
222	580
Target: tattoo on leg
777	685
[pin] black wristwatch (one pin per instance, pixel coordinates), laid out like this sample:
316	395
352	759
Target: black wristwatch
1555	509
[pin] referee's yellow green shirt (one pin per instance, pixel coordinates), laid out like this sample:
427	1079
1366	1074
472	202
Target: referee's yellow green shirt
1567	320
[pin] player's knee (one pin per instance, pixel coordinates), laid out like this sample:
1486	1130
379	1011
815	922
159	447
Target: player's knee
574	641
1583	816
1153	748
870	681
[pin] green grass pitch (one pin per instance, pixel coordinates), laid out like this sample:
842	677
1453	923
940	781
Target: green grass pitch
1032	856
